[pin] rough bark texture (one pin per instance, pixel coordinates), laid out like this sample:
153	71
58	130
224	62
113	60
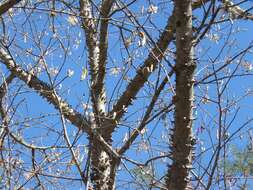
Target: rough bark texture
103	165
182	140
6	5
103	168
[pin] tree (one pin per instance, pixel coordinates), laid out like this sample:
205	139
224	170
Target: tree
100	94
182	139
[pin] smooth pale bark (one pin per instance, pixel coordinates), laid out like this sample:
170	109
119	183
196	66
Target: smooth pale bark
182	140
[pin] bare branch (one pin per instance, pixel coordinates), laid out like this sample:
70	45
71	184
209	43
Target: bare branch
150	64
137	131
5	6
45	91
90	28
236	11
103	46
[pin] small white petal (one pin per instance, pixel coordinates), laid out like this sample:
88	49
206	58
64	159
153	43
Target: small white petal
70	73
72	20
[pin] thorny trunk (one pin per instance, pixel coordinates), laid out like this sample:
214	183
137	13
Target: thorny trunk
103	168
182	140
103	165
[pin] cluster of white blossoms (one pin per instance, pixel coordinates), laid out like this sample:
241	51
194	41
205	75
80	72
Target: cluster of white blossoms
213	37
247	65
53	71
70	72
152	9
115	70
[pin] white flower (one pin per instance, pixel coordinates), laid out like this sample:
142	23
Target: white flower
54	35
205	99
143	146
226	135
77	43
152	9
213	37
11	12
72	20
29	51
70	73
164	157
39	70
247	65
59	87
53	71
143	131
115	71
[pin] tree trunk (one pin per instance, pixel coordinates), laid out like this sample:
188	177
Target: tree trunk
103	164
182	140
103	168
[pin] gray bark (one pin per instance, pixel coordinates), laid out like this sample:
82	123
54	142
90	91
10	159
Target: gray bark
182	140
103	165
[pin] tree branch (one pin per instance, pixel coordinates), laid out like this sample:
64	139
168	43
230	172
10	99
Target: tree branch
137	131
5	6
236	11
90	29
103	46
150	64
45	91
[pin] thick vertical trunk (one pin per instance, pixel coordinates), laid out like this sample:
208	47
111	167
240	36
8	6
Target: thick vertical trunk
103	168
103	164
182	140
